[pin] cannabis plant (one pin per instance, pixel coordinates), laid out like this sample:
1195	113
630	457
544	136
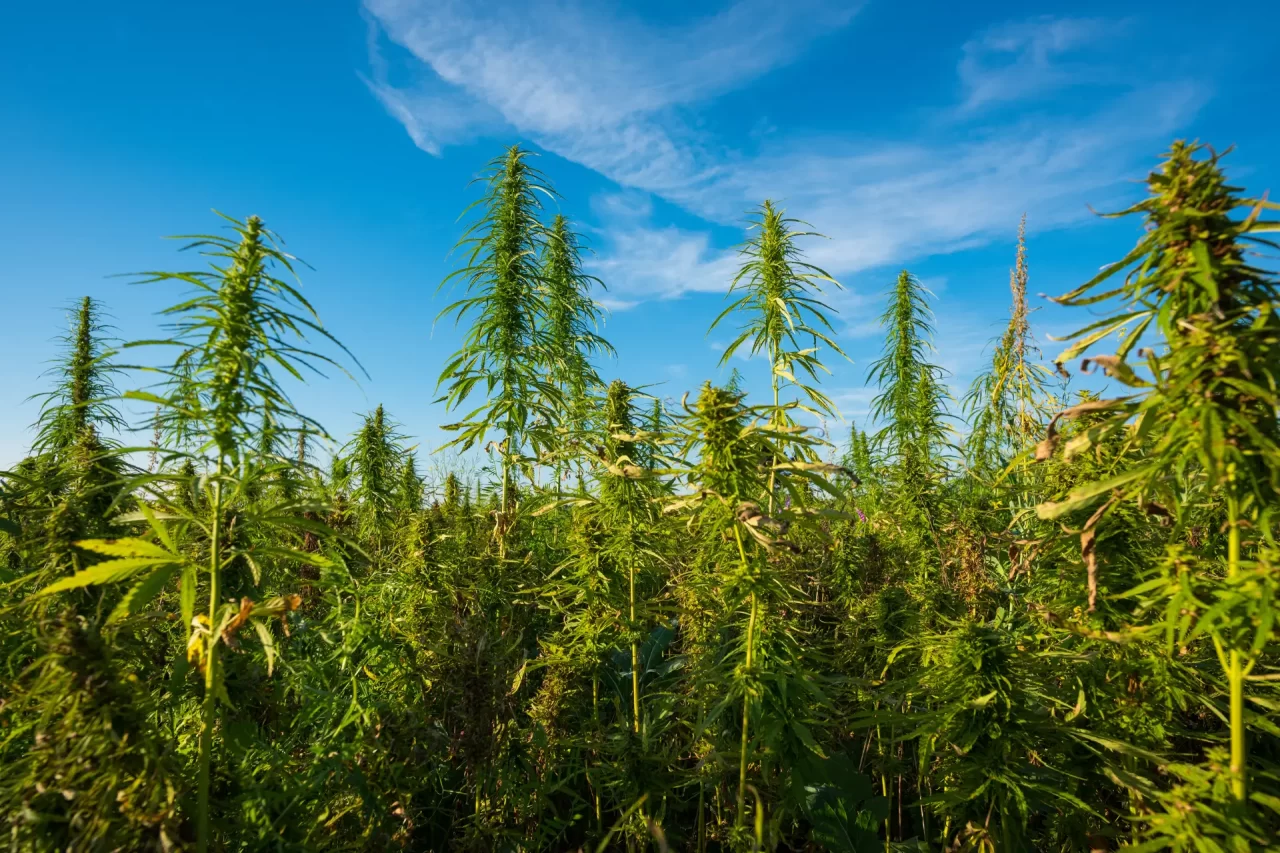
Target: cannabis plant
572	317
784	319
375	456
84	394
719	640
241	322
1008	402
1201	408
730	451
506	348
911	402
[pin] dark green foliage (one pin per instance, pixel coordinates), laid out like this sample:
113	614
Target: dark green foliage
1061	639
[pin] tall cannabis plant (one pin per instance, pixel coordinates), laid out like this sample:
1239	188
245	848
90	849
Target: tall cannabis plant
505	348
1202	411
784	319
627	512
911	402
72	721
76	461
729	451
241	323
572	317
374	455
1007	404
83	397
408	497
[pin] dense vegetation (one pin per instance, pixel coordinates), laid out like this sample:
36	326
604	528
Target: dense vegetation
1030	619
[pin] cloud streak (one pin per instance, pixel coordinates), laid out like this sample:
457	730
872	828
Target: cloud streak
600	91
1018	59
617	95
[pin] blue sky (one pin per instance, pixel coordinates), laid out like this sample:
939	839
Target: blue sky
913	135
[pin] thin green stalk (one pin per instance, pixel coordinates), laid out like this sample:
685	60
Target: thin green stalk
884	790
595	716
635	649
746	710
208	707
746	697
502	507
772	473
1235	666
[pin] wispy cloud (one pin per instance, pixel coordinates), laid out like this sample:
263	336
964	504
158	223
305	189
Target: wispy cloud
615	93
599	90
433	119
855	403
641	262
629	206
743	353
1017	59
889	202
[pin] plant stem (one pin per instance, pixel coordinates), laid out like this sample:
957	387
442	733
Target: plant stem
746	696
773	473
746	711
502	507
884	788
209	708
635	650
1235	666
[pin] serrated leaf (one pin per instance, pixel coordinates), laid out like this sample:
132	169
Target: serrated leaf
268	644
141	594
111	571
1082	495
187	596
126	548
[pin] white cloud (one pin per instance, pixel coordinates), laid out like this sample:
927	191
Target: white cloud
1017	59
642	262
855	403
600	90
433	118
890	203
625	206
615	93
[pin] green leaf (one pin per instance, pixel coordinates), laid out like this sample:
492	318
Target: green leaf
806	737
111	571
1083	495
127	548
268	643
1267	800
1102	329
187	596
1204	268
142	593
